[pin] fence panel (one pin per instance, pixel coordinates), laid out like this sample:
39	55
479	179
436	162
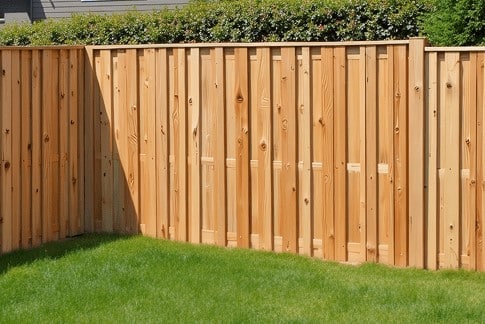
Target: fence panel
41	174
369	151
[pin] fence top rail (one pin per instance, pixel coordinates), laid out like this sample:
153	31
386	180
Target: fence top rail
251	45
46	47
456	49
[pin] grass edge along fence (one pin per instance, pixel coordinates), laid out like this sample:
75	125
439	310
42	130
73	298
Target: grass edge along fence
352	151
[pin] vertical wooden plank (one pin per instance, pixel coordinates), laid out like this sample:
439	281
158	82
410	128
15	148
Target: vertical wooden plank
148	189
120	157
179	121
371	152
6	171
471	143
391	151
400	156
327	146
220	196
16	162
288	184
63	199
132	199
432	133
452	160
241	105
73	165
265	210
416	152
194	147
26	147
78	226
340	153
162	144
304	130
50	151
88	140
99	118
36	148
104	75
480	220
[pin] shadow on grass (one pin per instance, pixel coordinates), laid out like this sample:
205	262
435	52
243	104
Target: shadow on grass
56	250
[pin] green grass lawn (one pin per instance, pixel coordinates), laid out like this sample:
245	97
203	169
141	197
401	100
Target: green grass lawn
108	278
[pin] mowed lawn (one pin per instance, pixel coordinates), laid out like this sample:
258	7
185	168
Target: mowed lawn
113	279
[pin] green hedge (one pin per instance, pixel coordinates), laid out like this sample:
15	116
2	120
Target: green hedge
233	21
456	23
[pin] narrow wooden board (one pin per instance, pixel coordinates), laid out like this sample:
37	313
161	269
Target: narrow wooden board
340	153
36	148
16	161
220	195
6	146
416	152
288	184
132	198
305	198
180	161
193	137
328	148
120	145
432	156
63	143
241	106
400	157
451	87
88	140
50	149
480	220
104	77
73	164
148	179
162	144
26	147
371	122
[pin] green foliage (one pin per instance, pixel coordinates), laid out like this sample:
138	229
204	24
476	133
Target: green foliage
456	23
233	21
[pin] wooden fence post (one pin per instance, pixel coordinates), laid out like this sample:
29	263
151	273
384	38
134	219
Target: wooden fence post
416	152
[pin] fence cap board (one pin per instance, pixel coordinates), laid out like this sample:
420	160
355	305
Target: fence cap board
455	49
46	47
251	45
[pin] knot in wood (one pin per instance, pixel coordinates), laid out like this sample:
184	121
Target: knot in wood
72	122
7	165
263	145
240	99
7	131
284	124
74	180
190	100
449	85
306	200
46	138
416	88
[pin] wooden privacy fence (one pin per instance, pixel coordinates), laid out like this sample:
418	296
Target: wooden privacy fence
369	151
41	170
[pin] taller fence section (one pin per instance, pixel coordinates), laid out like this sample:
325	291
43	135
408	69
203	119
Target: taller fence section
41	172
301	148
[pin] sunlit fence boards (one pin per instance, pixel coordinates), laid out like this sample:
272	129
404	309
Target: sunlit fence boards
353	151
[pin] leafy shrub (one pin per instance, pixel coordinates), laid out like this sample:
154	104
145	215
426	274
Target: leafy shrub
233	21
456	23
